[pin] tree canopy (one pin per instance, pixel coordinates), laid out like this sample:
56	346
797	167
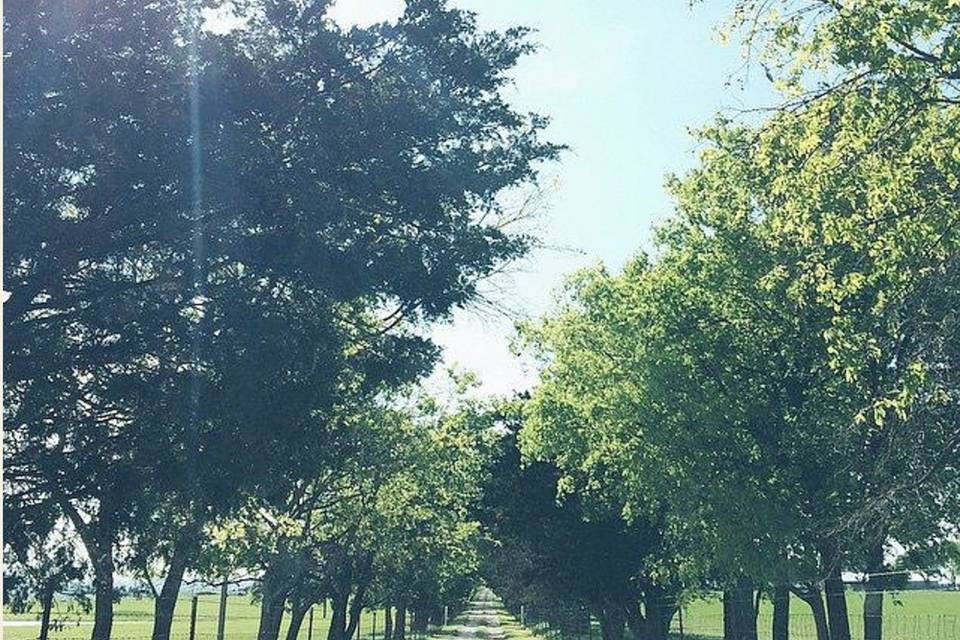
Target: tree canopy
214	239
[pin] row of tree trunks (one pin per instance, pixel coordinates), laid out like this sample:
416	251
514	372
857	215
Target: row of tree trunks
740	612
653	623
395	622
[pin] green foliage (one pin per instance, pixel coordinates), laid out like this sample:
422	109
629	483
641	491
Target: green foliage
783	371
390	523
215	241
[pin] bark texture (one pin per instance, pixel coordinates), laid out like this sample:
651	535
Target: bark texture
781	612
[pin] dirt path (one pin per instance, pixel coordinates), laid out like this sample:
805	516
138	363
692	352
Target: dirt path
480	619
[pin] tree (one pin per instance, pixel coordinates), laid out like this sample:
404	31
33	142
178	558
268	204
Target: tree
40	559
721	358
388	525
198	220
560	552
769	363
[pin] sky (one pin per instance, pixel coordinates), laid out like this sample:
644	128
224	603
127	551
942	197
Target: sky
624	82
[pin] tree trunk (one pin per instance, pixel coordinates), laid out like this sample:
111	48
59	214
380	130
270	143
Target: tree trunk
271	616
165	604
103	591
400	624
873	601
873	616
98	536
611	623
814	599
271	607
46	601
635	622
387	621
741	609
421	620
729	633
659	607
338	617
781	612
296	620
836	598
356	609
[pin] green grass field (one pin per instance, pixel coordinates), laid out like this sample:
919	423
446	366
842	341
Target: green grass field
908	615
133	620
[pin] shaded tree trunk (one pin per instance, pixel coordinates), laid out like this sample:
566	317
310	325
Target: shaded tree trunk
873	601
781	612
814	599
741	610
400	624
46	601
166	602
612	621
635	622
729	632
837	617
103	592
271	607
387	621
421	620
659	608
98	536
297	614
338	617
356	608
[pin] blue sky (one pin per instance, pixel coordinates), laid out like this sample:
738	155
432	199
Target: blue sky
623	81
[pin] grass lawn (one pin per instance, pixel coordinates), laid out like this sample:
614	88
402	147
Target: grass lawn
907	615
133	620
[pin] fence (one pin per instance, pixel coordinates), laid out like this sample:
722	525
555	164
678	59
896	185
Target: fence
938	626
198	618
704	620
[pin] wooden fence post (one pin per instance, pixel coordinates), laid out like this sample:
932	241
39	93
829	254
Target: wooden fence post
193	618
222	615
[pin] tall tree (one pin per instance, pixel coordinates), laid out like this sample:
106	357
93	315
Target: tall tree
40	558
560	552
198	220
787	360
